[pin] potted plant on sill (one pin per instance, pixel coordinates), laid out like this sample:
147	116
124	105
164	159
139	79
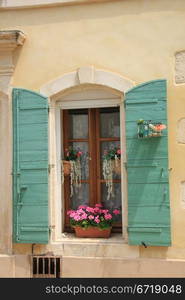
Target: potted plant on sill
71	165
111	165
92	222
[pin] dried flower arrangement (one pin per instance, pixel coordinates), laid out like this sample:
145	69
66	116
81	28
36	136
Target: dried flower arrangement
71	165
111	165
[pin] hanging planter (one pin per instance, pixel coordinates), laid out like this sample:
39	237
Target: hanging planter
149	129
111	165
71	166
66	167
116	166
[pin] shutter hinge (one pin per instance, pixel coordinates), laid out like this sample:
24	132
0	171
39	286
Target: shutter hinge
50	166
51	228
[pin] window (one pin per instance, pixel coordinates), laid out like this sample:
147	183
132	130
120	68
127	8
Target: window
146	164
92	131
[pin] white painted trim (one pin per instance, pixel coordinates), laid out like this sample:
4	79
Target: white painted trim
18	4
123	171
58	199
88	104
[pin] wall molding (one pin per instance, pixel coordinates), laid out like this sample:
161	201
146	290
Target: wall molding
9	41
19	4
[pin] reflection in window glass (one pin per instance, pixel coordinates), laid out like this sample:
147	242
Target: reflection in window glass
78	121
80	196
114	201
109	122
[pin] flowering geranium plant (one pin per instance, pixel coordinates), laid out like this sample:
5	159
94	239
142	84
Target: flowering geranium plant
72	154
113	153
86	216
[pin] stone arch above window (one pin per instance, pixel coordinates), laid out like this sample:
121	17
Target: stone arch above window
87	75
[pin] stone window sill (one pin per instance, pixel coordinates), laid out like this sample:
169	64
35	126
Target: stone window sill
71	238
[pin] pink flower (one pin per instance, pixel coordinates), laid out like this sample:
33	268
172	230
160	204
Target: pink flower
97	210
77	218
91	217
90	209
116	211
105	211
72	214
108	217
97	220
84	216
118	151
79	153
80	211
82	206
69	212
98	205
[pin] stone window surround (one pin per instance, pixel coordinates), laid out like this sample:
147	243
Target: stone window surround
18	4
84	77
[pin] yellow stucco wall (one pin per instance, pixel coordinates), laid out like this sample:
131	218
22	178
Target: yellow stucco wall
135	38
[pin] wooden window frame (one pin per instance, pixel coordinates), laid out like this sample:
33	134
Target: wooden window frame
95	179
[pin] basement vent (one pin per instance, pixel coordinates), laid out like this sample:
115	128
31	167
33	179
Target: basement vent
46	266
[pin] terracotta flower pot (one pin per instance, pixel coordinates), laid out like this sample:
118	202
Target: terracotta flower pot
92	232
66	167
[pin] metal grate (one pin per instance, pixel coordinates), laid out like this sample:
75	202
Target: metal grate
46	266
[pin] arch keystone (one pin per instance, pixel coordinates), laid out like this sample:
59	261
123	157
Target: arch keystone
86	74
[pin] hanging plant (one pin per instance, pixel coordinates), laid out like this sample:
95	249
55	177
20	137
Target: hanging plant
71	165
148	129
111	165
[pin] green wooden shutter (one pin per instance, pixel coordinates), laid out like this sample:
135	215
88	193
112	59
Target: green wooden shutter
30	167
147	167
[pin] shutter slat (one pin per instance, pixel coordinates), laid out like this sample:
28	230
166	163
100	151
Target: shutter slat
147	168
30	167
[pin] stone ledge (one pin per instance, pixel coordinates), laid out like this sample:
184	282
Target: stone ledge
10	39
121	268
105	248
10	4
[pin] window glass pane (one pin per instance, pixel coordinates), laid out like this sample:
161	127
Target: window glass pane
78	124
106	146
115	201
83	147
80	196
109	122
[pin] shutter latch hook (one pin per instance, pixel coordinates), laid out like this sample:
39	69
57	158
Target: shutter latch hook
143	243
